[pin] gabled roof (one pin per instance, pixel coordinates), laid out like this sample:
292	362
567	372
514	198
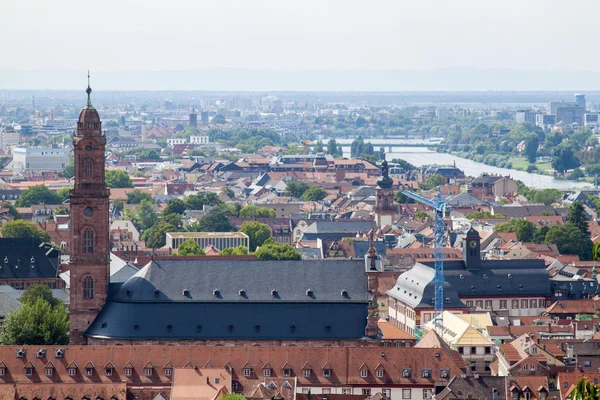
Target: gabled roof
128	364
286	366
89	364
306	366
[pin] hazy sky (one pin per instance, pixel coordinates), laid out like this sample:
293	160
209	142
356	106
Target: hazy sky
114	35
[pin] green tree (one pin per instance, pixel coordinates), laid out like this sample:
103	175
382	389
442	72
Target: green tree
228	192
64	193
523	228
23	229
423	216
296	189
540	234
405	165
578	217
174	206
570	240
401	198
37	291
145	214
41	320
434	180
257	233
233	396
118	179
190	248
277	251
234	251
216	220
12	210
483	215
332	148
319	146
218	119
137	196
156	236
564	158
38	194
585	390
118	205
69	170
201	199
314	193
251	211
531	147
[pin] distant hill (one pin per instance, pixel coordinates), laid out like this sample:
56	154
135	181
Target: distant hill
232	79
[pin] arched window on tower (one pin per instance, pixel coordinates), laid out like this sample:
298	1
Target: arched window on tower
88	287
89	168
88	241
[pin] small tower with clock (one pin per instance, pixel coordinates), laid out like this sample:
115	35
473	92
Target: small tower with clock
385	208
472	249
90	257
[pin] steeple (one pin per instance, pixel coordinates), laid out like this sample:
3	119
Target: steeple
89	93
385	182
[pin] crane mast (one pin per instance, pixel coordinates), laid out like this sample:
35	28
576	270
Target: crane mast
440	208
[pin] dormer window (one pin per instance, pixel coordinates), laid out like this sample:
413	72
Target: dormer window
327	373
364	373
247	372
379	373
72	371
267	372
287	373
89	372
128	371
306	373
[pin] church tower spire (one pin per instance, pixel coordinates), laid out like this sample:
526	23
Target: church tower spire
384	201
90	257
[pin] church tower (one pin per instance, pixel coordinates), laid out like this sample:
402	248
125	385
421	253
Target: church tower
472	249
90	259
384	202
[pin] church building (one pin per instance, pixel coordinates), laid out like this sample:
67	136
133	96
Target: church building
175	300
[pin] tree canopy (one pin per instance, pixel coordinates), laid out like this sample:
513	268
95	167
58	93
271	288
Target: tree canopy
118	179
23	229
569	240
190	248
296	189
38	194
257	233
314	193
136	196
523	228
174	206
234	251
41	320
251	211
145	214
201	199
216	220
277	251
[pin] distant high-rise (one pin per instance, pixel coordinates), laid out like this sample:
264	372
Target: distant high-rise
204	117
193	119
580	100
526	116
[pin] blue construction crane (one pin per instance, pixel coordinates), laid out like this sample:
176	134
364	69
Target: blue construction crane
440	208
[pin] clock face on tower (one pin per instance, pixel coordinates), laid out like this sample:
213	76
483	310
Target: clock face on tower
88	211
473	244
88	148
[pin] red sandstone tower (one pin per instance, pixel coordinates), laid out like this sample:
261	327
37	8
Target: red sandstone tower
90	260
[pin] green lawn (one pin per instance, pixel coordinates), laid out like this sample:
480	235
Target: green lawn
522	163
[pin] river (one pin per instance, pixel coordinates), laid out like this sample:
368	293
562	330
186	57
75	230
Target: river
422	156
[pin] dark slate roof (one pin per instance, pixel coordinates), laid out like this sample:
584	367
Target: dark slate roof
16	259
154	298
238	321
493	278
515	277
291	280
